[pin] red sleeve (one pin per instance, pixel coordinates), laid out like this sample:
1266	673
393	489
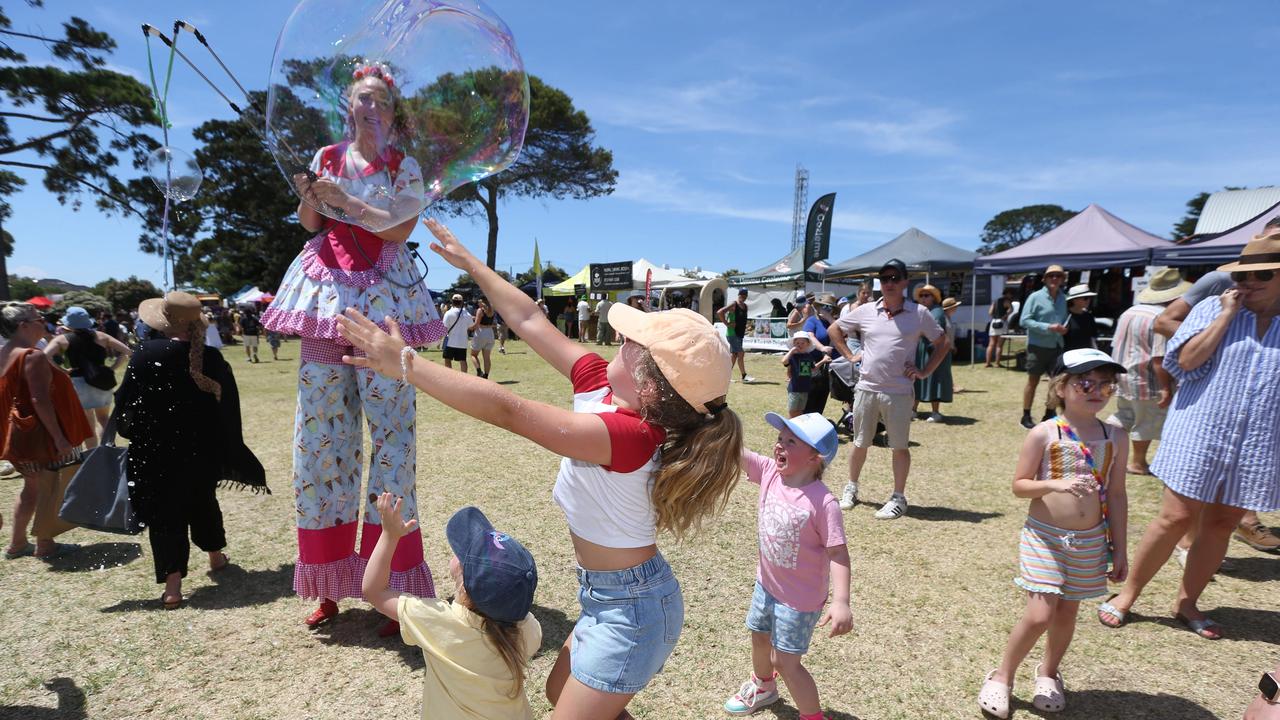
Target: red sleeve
589	373
632	441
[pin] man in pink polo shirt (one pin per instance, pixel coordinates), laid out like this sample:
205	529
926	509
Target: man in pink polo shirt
891	327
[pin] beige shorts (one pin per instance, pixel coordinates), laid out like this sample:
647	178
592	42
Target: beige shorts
894	411
1144	419
250	341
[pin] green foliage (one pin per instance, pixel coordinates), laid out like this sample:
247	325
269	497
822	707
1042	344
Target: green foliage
731	273
245	212
25	288
92	302
558	161
1014	227
551	274
84	118
126	294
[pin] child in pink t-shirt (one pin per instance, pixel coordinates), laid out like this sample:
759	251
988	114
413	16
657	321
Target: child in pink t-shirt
801	545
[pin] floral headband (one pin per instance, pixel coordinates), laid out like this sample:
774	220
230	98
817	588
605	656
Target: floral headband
377	71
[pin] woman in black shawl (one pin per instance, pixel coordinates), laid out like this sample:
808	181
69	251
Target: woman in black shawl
180	409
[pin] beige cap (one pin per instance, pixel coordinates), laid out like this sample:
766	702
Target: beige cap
172	311
692	355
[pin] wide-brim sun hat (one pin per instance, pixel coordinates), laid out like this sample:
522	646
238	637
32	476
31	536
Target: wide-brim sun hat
935	292
1055	269
949	303
77	318
813	430
803	335
1165	286
171	312
1080	291
826	298
1260	253
691	354
1082	360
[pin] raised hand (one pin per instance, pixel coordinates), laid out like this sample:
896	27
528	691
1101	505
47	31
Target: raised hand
393	523
1230	301
448	246
381	348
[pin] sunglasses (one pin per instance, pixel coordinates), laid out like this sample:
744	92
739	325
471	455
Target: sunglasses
890	278
1259	275
1086	386
1054	275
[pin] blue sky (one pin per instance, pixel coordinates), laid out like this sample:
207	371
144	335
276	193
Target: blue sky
937	115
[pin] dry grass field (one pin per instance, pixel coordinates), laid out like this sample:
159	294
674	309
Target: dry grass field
933	601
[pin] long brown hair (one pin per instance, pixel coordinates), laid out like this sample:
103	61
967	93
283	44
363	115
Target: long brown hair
505	638
700	458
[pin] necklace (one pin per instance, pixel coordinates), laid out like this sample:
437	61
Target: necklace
1065	428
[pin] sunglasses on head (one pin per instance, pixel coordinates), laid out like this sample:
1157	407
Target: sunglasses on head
1086	386
1259	275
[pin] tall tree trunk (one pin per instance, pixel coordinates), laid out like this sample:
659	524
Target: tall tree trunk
4	278
491	211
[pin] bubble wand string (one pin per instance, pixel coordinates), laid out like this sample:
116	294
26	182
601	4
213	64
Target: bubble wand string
162	104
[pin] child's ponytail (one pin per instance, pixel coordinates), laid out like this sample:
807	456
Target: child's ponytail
700	459
505	638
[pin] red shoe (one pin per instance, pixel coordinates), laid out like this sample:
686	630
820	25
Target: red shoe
391	629
328	610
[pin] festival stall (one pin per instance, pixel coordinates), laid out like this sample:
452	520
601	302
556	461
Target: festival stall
919	250
1214	248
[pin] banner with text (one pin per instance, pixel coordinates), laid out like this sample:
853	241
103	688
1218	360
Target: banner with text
817	234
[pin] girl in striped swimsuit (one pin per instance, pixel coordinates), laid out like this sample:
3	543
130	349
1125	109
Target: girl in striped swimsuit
1072	469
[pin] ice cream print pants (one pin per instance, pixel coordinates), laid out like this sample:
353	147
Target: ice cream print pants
327	460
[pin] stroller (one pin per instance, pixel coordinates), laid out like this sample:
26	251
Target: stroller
844	376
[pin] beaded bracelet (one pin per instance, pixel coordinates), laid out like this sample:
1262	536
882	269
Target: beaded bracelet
406	357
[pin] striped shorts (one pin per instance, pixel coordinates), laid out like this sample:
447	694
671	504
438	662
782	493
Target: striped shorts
1070	563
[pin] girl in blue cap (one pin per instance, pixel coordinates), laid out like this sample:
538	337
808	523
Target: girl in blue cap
802	545
477	648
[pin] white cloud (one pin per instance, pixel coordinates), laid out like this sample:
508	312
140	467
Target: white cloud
922	132
707	107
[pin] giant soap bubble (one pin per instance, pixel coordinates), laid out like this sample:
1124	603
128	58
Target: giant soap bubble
175	173
398	101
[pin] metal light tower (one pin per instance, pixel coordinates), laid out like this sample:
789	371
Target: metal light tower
799	207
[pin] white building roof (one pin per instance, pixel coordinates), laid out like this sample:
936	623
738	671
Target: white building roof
1226	209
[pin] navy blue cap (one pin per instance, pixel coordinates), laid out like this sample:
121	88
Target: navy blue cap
498	573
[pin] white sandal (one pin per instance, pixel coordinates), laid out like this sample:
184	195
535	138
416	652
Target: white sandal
1050	695
994	697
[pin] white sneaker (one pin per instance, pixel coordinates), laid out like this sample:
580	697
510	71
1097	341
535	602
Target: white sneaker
7	469
850	496
894	509
750	698
748	379
934	418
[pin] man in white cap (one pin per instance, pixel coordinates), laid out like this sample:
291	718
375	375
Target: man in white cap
456	321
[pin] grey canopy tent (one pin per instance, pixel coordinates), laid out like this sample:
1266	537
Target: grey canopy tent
919	250
787	270
1215	248
1092	240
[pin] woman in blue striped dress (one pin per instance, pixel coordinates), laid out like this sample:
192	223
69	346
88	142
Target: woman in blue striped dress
1220	451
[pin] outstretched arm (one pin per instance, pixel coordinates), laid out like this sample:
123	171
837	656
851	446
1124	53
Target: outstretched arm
376	583
581	436
521	313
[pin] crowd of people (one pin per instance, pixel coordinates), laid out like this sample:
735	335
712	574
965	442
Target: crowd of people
650	446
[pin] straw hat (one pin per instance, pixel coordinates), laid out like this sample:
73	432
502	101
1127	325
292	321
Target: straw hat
826	298
1261	253
174	311
1166	286
1054	269
935	292
950	303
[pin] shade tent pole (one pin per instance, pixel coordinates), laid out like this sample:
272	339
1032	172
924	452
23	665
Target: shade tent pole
973	319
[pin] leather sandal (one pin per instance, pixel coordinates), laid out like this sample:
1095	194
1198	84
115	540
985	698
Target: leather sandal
1205	628
168	602
1050	695
1111	616
994	697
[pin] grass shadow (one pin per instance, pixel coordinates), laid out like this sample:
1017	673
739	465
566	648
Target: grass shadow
556	627
785	711
71	704
359	627
1248	624
234	587
97	556
946	514
1107	703
1253	569
507	382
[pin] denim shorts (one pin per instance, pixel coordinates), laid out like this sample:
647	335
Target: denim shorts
92	398
630	622
735	344
789	629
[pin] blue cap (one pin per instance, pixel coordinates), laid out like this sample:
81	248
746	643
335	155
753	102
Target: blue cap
77	318
498	573
813	429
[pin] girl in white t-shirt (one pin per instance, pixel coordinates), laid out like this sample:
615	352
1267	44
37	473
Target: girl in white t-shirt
644	450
